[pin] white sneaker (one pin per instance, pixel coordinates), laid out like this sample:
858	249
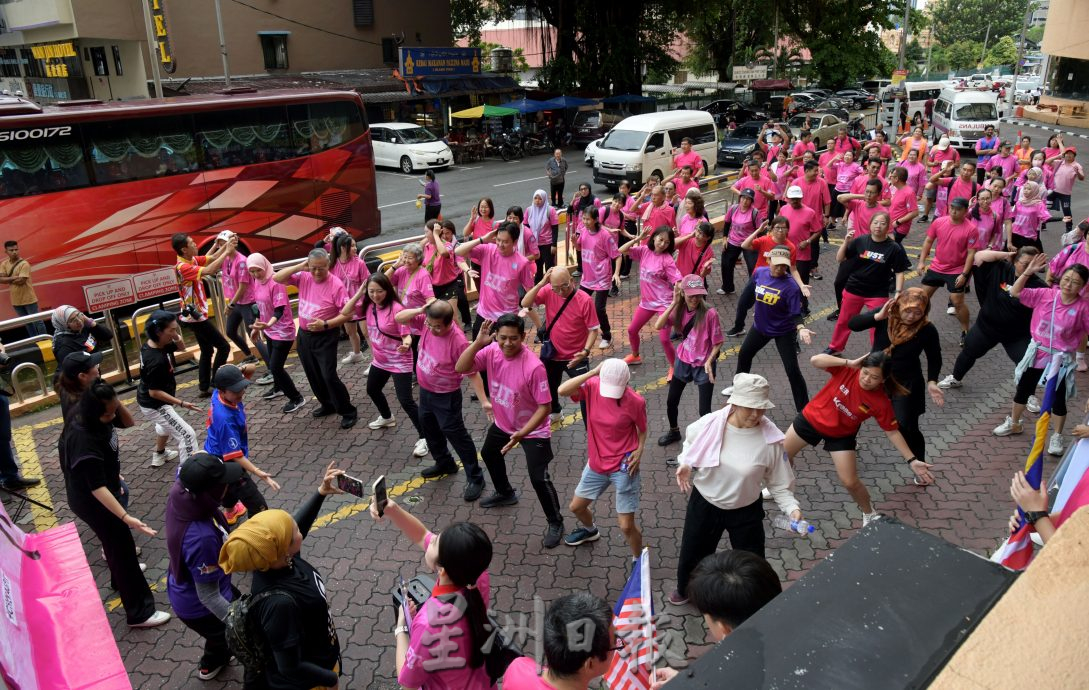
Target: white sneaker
381	422
266	380
143	567
420	449
554	417
729	390
765	494
159	459
949	382
950	310
720	291
367	371
1055	446
867	518
156	619
1033	404
352	358
604	345
1007	428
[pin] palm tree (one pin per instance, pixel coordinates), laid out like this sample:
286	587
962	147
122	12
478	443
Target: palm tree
780	59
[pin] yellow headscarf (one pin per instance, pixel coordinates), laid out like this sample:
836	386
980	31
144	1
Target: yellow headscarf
258	543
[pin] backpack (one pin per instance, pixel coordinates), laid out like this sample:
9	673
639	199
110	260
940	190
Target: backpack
245	640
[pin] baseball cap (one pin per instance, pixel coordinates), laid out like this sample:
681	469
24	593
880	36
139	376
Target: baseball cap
779	255
958	202
614	377
203	471
229	377
692	285
795	192
942	144
225	235
80	362
749	193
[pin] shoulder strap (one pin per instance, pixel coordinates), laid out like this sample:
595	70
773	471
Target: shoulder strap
374	312
562	308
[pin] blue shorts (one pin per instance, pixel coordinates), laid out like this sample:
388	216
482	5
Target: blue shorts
592	485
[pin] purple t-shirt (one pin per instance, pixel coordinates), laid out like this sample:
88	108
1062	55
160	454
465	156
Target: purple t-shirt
778	303
432	190
200	551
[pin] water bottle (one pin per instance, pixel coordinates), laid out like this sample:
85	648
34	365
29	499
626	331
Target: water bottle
624	462
797	526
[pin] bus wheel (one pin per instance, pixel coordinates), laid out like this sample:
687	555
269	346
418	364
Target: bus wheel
406	165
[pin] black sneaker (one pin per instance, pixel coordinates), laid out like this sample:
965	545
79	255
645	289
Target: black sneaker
293	405
834	316
250	359
924	218
348	421
553	535
498	500
670	437
831	351
204	394
735	332
274	393
19	482
438	470
322	411
473	489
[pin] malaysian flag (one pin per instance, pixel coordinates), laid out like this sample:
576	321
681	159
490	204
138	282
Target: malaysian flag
1017	551
633	664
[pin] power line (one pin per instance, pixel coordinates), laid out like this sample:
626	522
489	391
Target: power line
304	24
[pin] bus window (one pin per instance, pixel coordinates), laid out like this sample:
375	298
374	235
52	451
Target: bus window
124	150
320	126
229	138
34	168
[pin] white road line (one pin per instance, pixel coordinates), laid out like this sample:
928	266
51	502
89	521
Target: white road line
400	175
458	167
531	179
398	203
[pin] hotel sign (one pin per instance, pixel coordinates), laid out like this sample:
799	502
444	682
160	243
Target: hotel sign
162	36
60	60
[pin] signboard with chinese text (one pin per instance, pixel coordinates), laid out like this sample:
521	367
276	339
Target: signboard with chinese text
750	73
161	281
110	294
439	62
59	60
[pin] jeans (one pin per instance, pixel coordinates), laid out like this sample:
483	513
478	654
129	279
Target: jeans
538	454
555	369
210	341
442	421
239	314
9	469
278	350
32	329
704	524
318	354
786	344
402	386
979	341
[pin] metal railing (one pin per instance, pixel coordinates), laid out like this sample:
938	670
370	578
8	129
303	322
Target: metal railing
38	374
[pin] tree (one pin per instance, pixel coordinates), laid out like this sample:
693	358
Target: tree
963	54
1035	34
518	63
968	20
783	61
468	16
723	33
840	36
1003	52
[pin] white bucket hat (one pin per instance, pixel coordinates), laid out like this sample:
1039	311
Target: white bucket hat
751	390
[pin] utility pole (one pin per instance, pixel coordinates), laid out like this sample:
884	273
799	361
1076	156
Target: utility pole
986	39
1012	96
223	47
929	47
904	34
151	50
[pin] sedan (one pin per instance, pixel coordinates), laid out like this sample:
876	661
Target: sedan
859	98
830	106
739	144
724	110
823	125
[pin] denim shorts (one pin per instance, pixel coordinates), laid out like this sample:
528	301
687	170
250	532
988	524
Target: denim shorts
592	485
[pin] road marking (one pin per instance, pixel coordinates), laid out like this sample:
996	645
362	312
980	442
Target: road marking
400	175
531	179
399	203
28	458
458	167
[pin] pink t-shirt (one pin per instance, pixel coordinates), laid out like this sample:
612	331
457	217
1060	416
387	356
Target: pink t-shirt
1071	321
858	186
784	176
353	273
598	249
500	278
937	157
815	195
691	158
689	253
437	357
687	224
1028	218
1067	257
385	336
235	277
760	201
916	176
800	147
742	223
611	218
657	216
861	215
269	295
444	269
612	426
318	301
413	287
542	236
1007	164
517	387
568	335
953	243
527	243
699	342
482	226
522	675
804	221
657	275
682	187
845	175
1065	174
957	187
989	229
904	202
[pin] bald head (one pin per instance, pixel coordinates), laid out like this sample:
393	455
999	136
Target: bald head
440	316
561	282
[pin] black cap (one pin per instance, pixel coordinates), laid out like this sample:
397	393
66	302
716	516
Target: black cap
749	193
958	202
80	362
229	377
203	471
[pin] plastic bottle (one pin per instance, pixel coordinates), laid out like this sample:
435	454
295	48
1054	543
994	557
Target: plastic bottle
796	526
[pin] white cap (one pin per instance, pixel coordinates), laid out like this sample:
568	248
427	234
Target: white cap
337	231
614	377
942	144
225	235
795	192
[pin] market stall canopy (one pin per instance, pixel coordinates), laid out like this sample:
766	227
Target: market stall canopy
565	102
484	111
525	105
627	98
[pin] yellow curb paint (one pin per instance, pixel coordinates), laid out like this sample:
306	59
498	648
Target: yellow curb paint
28	457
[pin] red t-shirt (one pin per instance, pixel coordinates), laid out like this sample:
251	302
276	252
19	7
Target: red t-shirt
765	244
612	426
568	334
839	409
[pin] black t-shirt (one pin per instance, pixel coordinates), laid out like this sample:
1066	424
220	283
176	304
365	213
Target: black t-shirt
90	461
156	373
907	365
1000	311
874	265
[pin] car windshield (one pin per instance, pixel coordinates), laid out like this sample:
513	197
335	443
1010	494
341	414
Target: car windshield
416	135
798	121
587	118
749	130
976	112
624	140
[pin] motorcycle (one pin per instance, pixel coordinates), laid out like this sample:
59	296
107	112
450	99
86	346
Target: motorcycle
536	143
857	130
509	145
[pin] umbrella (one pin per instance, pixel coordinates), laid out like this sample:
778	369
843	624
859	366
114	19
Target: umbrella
565	102
484	111
525	105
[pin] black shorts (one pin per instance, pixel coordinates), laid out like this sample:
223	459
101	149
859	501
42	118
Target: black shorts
807	433
946	280
447	291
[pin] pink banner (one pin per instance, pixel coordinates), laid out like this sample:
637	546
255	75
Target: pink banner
53	631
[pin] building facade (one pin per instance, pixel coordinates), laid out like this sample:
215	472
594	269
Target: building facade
1068	52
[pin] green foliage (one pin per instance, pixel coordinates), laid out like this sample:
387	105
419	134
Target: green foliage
1003	52
724	33
839	36
468	16
1035	34
957	21
964	54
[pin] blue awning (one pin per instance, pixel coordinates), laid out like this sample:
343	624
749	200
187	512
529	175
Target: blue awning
438	86
565	102
525	105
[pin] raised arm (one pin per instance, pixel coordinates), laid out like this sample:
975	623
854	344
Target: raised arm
284	274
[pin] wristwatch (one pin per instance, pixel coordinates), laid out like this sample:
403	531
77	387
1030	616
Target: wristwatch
1031	516
400	629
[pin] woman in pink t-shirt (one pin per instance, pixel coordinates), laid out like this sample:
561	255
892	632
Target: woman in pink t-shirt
446	269
598	249
413	284
1060	322
696	325
544	226
694	251
693	214
276	323
657	275
740	221
481	221
1028	214
988	222
353	272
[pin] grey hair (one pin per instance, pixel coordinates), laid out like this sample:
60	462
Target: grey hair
317	253
415	250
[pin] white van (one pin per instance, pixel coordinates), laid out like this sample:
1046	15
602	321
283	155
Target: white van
918	93
962	115
644	145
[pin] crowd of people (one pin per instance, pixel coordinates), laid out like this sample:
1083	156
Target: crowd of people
416	321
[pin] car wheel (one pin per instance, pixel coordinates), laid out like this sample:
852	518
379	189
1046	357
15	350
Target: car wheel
406	165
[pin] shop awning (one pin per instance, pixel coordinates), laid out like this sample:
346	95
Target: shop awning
484	111
442	86
526	105
565	102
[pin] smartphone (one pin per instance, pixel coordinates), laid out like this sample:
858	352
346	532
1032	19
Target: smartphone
381	498
350	485
404	599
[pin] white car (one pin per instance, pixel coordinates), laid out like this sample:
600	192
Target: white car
588	154
408	147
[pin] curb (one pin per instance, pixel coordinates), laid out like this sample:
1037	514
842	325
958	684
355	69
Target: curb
1038	125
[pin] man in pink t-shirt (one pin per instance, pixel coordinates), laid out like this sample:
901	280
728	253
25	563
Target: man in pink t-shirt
573	332
805	231
904	206
685	181
687	157
519	405
502	272
939	153
964	185
440	406
863	207
957	238
762	187
656	212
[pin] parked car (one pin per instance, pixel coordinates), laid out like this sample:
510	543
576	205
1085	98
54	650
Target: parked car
739	144
875	86
591	149
823	125
860	99
408	147
725	109
594	124
836	107
818	92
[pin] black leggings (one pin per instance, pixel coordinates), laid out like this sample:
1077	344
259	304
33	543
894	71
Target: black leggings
673	399
214	350
278	350
239	314
402	386
1063	203
980	340
786	344
745	302
730	254
842	274
908	408
601	300
1027	386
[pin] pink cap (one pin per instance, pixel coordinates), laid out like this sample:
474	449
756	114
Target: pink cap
614	377
692	285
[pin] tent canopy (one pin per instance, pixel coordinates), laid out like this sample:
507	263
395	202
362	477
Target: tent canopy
525	105
484	111
566	102
627	98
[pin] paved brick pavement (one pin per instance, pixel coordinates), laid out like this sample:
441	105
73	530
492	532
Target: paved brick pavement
360	559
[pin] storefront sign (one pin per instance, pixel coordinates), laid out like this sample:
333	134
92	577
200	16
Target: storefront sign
60	60
161	281
162	36
750	73
439	62
899	76
110	294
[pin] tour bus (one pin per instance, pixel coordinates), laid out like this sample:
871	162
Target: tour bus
962	115
918	93
644	145
93	191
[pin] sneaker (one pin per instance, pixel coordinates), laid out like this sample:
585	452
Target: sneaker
160	458
367	371
815	276
1008	428
576	273
352	358
420	449
204	394
924	218
233	514
498	500
1082	366
210	673
670	437
473	489
554	417
156	619
322	411
293	405
728	390
272	394
867	518
348	421
950	310
676	598
765	494
632	360
831	351
1055	446
1033	404
720	291
438	470
581	535
265	380
963	338
604	345
949	382
735	332
381	422
250	359
834	316
19	482
553	535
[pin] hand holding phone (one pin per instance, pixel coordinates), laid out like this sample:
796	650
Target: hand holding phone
350	485
381	497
